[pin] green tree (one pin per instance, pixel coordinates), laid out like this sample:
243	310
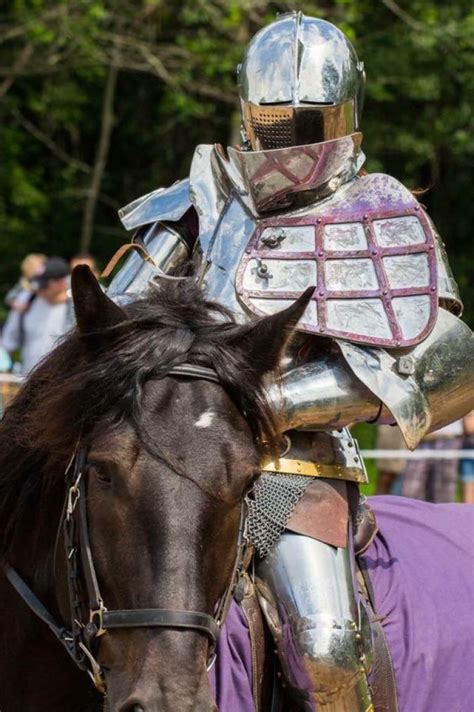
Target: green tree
102	101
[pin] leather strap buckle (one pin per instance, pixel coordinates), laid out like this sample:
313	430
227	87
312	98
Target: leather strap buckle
97	619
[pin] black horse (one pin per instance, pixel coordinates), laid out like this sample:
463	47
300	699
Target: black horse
140	437
168	457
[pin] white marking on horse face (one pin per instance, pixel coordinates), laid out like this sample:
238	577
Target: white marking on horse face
205	419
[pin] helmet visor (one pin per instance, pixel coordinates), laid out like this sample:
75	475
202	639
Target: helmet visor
274	126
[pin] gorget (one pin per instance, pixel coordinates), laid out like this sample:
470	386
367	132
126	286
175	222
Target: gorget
285	177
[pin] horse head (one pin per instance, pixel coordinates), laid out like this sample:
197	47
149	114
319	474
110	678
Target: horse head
169	459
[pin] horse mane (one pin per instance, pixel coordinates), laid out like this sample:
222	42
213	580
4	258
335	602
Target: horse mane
99	377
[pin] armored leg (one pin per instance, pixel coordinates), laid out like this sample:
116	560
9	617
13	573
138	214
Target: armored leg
321	631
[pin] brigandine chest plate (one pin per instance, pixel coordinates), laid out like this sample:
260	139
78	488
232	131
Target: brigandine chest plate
370	256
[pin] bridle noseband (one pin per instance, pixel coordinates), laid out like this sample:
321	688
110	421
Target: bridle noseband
80	640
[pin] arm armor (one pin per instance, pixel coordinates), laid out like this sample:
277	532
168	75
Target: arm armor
322	394
167	249
159	220
422	388
426	386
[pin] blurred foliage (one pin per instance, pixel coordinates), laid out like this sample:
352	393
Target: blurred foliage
366	434
176	88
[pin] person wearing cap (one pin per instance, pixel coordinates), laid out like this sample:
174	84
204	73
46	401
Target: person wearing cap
47	316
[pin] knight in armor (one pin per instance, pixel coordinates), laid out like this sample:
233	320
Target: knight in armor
380	341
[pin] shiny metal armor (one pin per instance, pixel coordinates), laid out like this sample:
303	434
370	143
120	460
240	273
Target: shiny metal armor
375	277
298	72
380	341
421	386
321	631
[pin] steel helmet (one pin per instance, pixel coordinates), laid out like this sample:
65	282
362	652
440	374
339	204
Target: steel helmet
300	83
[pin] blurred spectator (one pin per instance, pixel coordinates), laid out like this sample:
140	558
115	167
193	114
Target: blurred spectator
18	296
85	259
5	360
47	315
430	479
467	464
389	437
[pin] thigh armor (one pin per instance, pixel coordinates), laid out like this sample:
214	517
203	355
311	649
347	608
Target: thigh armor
320	629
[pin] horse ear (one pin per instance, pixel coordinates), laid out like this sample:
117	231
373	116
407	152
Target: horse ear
94	310
265	340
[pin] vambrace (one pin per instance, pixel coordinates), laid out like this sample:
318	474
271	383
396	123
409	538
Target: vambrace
168	250
421	388
161	227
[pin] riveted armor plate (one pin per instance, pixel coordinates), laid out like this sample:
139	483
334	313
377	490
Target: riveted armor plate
373	265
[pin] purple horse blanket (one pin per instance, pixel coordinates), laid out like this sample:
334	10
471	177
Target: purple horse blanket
422	568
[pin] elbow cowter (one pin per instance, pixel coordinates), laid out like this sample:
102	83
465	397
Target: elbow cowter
322	394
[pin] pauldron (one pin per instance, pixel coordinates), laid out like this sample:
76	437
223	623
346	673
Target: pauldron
370	251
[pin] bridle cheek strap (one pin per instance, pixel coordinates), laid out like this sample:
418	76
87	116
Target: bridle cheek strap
129	618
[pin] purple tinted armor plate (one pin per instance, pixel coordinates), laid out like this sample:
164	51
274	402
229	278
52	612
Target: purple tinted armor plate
375	272
271	177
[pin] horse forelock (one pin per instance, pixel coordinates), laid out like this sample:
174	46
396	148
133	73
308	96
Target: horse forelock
81	384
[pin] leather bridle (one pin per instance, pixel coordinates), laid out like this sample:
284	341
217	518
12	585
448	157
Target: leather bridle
81	639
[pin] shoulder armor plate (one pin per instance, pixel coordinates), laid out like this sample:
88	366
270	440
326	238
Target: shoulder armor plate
162	204
370	252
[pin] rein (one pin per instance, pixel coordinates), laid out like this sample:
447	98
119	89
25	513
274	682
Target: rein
80	640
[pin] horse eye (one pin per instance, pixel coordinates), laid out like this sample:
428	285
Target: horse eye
98	471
